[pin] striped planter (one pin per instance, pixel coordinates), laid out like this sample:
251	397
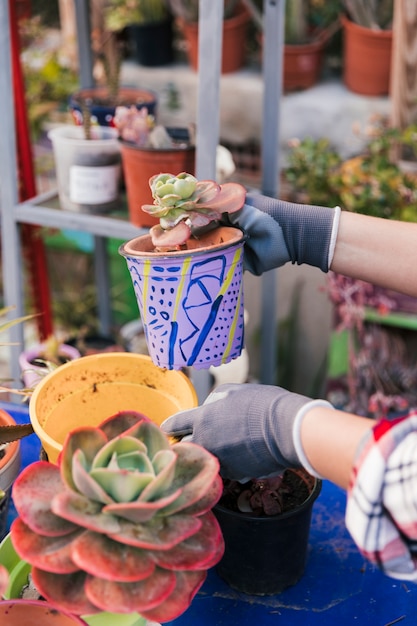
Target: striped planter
190	301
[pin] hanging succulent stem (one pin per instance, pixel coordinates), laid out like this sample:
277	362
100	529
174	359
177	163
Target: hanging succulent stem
86	115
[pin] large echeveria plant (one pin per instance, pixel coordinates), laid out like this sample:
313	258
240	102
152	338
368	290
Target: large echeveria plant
184	204
123	523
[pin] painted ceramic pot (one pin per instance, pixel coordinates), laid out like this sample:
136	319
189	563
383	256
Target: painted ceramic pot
190	301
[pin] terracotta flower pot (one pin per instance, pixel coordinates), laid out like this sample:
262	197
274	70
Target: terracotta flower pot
234	41
139	164
302	65
190	301
367	59
90	389
9	469
35	613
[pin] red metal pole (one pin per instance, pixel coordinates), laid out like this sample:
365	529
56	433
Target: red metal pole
32	242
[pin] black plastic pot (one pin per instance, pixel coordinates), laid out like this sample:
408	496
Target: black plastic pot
265	555
151	44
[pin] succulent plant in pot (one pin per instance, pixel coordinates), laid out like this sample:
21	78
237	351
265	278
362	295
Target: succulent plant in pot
266	524
123	523
150	148
187	273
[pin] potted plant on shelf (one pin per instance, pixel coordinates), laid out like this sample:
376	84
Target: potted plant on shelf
148	26
236	18
187	275
88	167
42	358
148	148
126	524
96	105
367	38
309	26
265	525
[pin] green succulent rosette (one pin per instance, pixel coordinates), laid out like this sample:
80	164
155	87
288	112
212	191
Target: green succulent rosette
123	523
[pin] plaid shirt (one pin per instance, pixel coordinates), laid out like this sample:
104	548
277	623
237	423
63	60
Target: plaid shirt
381	512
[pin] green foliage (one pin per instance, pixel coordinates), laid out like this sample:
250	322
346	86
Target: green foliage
122	13
305	19
313	171
188	9
372	183
48	81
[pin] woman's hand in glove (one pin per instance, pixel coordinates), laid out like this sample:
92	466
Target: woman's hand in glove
279	232
252	429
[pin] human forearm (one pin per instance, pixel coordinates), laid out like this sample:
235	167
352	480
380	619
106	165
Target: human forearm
380	251
330	439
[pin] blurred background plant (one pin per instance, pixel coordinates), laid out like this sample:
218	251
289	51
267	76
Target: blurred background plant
373	182
375	14
48	75
122	13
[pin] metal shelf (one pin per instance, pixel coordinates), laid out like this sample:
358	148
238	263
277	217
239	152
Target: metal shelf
44	210
38	211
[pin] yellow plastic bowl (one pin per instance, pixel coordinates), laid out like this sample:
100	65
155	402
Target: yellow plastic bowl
86	391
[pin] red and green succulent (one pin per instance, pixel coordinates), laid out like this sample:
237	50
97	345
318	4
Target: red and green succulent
122	523
184	204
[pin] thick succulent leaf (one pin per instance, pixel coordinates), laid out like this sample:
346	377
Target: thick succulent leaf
207	502
4	580
160	533
164	467
230	199
171	238
206	191
131	597
122	485
120	423
139	512
112	560
117	446
33	491
175	216
194	553
75	508
89	440
84	483
152	436
195	471
52	554
64	590
187	585
155	209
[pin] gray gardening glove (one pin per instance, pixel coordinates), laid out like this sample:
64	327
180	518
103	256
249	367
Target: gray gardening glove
279	232
252	429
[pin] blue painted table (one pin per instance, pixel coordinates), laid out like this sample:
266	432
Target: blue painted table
338	588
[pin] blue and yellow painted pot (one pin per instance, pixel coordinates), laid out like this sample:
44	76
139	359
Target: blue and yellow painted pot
190	301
